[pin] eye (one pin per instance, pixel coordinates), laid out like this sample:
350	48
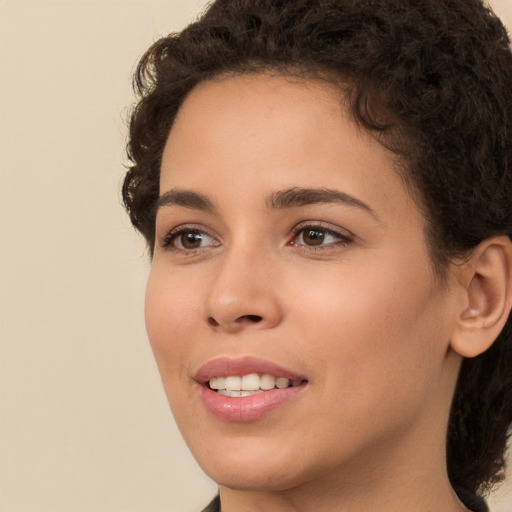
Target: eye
317	236
189	239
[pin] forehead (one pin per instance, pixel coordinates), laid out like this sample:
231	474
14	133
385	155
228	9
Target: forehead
261	133
247	108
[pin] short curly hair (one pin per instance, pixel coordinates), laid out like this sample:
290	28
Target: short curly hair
432	80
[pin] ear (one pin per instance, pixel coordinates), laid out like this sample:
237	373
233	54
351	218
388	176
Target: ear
487	285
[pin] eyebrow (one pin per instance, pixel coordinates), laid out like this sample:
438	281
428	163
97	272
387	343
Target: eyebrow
282	199
185	198
296	197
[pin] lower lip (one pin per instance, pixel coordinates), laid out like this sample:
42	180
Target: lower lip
247	408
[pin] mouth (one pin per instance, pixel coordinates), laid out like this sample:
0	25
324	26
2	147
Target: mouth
246	389
250	384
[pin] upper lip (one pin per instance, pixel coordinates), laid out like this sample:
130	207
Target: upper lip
239	366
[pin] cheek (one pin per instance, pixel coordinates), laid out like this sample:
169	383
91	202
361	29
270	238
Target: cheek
375	335
170	314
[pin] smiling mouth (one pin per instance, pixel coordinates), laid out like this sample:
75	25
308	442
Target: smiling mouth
250	384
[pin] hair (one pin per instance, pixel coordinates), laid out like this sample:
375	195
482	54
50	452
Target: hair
432	80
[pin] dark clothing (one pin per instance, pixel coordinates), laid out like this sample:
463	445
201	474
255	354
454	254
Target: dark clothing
470	500
214	506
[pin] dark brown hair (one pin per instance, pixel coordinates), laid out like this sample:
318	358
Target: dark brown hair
432	80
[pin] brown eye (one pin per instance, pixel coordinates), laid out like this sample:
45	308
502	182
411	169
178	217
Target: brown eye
319	237
313	236
190	239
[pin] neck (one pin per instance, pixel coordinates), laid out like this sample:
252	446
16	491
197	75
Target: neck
400	487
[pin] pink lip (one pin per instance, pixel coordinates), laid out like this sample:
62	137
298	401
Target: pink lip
249	408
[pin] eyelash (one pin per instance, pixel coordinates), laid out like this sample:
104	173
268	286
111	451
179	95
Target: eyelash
174	234
343	239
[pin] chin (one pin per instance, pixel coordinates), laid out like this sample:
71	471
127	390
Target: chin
256	470
256	480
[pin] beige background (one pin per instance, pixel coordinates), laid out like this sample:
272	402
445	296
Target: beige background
84	425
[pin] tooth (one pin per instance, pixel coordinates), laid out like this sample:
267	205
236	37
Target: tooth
218	383
233	383
251	382
296	383
282	382
267	382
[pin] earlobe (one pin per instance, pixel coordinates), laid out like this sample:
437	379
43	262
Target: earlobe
487	278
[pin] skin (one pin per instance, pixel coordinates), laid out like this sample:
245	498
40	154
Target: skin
362	315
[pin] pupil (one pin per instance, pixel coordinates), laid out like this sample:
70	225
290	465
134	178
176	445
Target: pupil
191	240
314	237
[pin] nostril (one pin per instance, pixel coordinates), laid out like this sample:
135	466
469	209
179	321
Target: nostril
249	319
252	318
213	322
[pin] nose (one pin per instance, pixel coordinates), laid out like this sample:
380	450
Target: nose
242	295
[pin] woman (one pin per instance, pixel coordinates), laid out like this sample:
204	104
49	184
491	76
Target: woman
324	187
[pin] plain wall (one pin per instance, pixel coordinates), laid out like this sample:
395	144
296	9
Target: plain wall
84	424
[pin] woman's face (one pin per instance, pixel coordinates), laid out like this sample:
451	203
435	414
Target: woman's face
287	246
